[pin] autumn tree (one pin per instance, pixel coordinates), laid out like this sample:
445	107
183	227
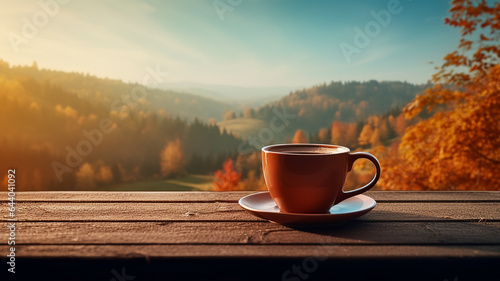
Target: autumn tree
365	135
375	138
226	179
459	146
253	181
383	130
392	122
229	115
400	125
246	162
351	139
104	174
172	159
337	132
323	135
299	137
374	122
248	113
212	121
85	176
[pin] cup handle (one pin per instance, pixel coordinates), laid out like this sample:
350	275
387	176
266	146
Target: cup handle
353	157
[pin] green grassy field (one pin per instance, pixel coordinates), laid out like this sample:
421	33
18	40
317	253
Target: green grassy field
188	183
243	127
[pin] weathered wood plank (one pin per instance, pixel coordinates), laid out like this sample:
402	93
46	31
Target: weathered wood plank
164	235
263	251
380	196
221	233
134	196
223	211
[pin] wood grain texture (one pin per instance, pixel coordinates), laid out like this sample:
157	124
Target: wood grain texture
234	196
208	236
228	211
246	233
255	251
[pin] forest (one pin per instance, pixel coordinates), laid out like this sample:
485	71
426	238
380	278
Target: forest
445	138
75	131
64	132
48	128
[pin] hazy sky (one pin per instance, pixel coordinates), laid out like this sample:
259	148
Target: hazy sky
230	42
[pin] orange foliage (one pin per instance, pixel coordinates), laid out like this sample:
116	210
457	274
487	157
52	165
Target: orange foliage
86	176
337	132
383	129
457	148
323	135
247	112
212	121
252	182
400	125
351	135
172	159
365	135
466	66
299	137
229	115
228	179
375	138
344	134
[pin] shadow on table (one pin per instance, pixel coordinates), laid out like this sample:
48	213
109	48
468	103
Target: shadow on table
430	248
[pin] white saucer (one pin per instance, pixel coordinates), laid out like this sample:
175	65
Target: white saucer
262	205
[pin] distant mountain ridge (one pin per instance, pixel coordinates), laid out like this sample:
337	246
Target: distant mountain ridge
238	95
316	107
185	105
68	129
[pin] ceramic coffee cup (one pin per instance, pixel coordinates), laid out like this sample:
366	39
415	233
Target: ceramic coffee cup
309	178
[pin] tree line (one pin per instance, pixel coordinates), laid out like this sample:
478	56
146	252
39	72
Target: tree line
44	123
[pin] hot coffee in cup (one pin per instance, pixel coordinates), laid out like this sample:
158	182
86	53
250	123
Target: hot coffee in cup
309	178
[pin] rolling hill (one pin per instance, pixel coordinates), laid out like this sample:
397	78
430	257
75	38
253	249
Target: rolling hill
317	107
103	92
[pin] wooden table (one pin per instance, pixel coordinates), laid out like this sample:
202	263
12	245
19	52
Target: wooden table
208	236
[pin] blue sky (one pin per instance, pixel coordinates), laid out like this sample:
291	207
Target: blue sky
251	43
